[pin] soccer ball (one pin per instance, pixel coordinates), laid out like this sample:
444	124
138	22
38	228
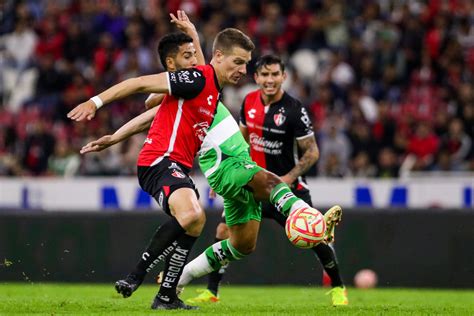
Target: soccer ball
305	227
365	279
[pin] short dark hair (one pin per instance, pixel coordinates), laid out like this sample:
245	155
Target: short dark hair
169	45
267	60
229	38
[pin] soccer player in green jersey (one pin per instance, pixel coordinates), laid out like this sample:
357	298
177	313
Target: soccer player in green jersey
281	139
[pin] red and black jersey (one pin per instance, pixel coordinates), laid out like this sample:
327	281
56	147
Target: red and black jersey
274	130
181	122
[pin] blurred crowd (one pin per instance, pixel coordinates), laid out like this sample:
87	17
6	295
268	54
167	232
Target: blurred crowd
389	83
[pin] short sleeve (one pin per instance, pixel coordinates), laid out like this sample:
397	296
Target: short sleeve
186	83
302	123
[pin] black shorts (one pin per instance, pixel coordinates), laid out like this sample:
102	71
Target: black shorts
163	179
270	211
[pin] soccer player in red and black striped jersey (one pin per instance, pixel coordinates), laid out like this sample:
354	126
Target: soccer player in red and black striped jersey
173	140
281	139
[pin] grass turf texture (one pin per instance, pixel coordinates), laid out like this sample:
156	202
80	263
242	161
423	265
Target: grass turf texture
56	299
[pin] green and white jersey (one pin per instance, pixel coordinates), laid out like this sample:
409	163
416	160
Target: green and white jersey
223	138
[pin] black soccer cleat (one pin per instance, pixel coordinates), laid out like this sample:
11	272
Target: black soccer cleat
176	304
127	286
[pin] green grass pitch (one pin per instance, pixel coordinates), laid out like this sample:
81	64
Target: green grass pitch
92	299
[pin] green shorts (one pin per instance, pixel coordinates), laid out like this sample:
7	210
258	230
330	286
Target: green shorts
229	181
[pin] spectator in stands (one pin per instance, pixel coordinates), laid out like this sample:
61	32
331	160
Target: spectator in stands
374	70
457	145
387	165
335	153
18	73
37	148
422	148
65	161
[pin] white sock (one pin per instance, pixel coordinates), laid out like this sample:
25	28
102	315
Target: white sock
195	269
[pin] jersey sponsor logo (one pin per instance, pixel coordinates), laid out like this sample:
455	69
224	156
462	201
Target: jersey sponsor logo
148	141
200	130
209	99
178	174
263	145
184	76
279	119
251	113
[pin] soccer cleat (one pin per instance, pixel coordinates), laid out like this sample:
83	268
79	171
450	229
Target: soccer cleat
127	286
332	217
339	296
176	304
206	296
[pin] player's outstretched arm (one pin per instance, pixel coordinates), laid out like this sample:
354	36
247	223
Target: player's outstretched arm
145	84
138	124
184	24
310	151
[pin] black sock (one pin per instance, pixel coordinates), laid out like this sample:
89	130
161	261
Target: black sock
174	266
327	257
159	247
215	277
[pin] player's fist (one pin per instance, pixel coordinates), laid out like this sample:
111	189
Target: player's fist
83	111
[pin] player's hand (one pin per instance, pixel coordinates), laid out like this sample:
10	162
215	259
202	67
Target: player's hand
83	111
182	22
212	194
98	145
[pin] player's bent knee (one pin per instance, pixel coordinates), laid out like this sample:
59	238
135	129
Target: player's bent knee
263	183
192	220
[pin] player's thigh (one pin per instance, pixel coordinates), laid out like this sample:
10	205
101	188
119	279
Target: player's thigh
233	174
242	208
163	180
243	237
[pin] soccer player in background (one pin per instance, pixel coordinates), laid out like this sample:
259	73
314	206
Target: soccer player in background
190	114
282	141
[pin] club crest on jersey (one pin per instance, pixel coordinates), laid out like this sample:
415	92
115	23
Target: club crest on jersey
279	119
177	174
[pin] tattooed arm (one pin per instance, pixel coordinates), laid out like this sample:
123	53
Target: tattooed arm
310	151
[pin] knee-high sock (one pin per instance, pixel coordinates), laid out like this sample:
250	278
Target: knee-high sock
174	267
327	257
213	258
159	247
284	200
215	277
